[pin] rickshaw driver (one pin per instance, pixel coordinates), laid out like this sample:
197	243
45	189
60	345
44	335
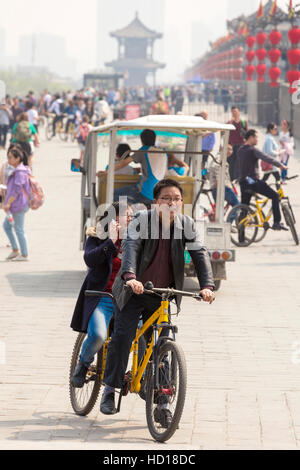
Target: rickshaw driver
154	169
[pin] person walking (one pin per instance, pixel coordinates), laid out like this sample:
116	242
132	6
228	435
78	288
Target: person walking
271	148
236	139
22	133
5	118
17	203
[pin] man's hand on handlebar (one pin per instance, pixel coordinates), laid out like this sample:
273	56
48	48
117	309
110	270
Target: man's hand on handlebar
207	295
136	286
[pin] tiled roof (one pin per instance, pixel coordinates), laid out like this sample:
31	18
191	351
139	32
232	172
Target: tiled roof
136	29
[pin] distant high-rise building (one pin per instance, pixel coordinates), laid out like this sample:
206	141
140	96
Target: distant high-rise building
114	14
2	45
46	50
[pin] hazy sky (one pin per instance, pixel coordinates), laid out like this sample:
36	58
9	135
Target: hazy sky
76	20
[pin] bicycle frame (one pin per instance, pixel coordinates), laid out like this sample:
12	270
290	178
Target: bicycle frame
161	317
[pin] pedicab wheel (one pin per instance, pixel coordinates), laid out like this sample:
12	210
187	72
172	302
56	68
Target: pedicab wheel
168	400
83	399
289	220
244	225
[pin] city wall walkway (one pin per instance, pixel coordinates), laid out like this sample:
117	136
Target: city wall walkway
243	352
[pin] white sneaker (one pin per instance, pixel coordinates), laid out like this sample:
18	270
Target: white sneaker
20	258
12	255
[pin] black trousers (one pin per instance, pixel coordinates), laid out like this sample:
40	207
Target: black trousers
3	135
125	325
261	187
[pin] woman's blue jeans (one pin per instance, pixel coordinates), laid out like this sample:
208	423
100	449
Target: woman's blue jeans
18	228
230	197
97	330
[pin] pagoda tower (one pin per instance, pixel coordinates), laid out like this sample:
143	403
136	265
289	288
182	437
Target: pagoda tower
135	53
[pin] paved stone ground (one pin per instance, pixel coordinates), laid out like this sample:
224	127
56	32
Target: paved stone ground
242	356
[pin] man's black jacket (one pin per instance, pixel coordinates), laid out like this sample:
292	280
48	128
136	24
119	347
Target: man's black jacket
139	248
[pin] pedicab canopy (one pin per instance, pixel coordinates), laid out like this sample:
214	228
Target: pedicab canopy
189	125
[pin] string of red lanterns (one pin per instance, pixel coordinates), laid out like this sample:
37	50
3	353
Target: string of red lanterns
250	56
261	54
274	56
293	56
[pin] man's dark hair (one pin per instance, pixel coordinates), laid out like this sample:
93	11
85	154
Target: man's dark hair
148	137
235	107
166	183
121	149
250	133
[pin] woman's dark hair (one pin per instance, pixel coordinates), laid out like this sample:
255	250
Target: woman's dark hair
110	214
121	149
166	183
289	128
18	152
22	117
270	127
148	137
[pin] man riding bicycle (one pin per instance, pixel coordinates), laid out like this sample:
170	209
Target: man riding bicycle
153	250
247	163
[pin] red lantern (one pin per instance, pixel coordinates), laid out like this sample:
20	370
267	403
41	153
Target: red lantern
261	70
250	55
294	35
250	69
250	41
275	37
261	38
274	55
294	56
274	74
293	76
238	74
261	54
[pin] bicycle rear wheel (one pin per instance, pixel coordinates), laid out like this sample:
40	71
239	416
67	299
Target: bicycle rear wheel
170	397
244	225
83	399
289	219
262	230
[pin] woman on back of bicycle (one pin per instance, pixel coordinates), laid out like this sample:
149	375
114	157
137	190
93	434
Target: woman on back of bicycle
102	255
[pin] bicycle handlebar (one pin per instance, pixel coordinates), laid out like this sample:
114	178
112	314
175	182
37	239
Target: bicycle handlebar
150	289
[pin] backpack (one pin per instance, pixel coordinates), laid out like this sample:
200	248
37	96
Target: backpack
37	196
23	132
84	131
160	107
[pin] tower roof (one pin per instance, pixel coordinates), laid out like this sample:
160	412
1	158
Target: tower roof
136	30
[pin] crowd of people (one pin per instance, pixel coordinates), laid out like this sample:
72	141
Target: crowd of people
21	118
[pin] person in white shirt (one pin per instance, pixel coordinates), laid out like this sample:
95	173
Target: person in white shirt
33	115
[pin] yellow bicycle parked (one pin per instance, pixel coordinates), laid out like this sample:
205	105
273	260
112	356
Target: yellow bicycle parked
157	374
249	223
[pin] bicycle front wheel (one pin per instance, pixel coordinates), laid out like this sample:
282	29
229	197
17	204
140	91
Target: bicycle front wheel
289	220
164	406
244	225
49	131
83	399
